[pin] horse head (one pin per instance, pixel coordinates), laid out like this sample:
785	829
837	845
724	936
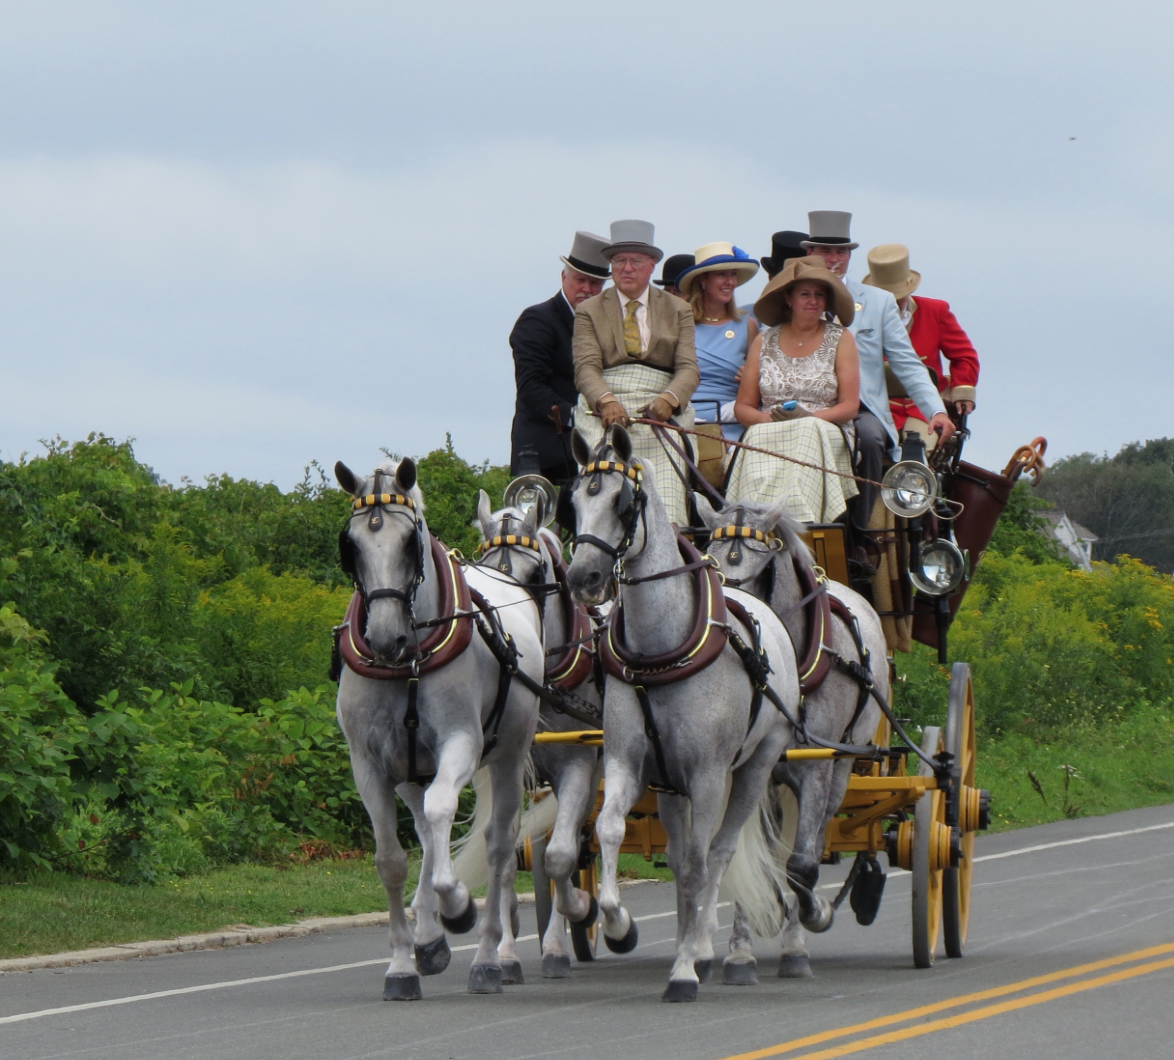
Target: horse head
384	548
746	538
609	498
509	542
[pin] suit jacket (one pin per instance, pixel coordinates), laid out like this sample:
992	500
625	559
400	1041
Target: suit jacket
599	343
545	376
934	331
879	335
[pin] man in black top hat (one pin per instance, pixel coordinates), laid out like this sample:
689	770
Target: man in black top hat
783	246
671	269
544	370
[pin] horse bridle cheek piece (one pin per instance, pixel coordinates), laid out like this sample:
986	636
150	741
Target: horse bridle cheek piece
629	506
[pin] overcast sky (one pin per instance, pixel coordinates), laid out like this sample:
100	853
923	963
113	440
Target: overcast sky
252	234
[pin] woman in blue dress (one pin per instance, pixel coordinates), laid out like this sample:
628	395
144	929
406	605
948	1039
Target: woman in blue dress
723	331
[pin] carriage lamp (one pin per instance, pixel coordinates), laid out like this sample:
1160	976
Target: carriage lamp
941	568
533	491
909	489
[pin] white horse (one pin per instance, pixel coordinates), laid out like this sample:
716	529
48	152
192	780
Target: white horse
513	546
760	550
425	699
710	738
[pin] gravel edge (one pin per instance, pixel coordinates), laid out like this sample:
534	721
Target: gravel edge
215	940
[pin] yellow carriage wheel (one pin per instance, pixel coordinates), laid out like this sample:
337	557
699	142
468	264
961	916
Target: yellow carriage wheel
971	813
931	856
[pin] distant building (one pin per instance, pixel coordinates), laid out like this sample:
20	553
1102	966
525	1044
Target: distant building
1076	540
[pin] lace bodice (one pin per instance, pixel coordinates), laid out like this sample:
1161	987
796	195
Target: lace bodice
810	380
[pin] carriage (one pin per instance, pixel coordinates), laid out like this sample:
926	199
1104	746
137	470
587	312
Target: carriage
915	803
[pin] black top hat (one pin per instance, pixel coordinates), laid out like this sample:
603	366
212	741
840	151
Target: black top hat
673	267
783	247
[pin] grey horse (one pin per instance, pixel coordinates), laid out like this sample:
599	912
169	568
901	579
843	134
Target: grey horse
572	771
701	738
428	754
835	711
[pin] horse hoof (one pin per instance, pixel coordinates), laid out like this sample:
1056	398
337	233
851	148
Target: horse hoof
739	973
818	924
794	968
463	924
556	966
401	988
680	990
511	972
432	958
625	945
590	916
704	969
484	979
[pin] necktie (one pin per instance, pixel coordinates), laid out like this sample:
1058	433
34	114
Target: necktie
632	331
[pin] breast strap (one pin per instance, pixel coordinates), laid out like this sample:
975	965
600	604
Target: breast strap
816	661
570	669
705	642
439	646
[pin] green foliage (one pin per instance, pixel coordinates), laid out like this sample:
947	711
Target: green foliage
450	488
1020	529
1126	499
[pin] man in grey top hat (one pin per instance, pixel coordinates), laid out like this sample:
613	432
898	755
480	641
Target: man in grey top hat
880	336
634	355
543	367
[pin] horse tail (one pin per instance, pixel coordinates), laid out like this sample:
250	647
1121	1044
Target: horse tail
469	855
757	875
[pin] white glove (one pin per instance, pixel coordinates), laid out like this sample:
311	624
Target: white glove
727	413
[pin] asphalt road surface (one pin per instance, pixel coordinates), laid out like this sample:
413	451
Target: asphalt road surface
1071	955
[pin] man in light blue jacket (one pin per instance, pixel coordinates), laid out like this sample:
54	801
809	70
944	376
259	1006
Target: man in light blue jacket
880	336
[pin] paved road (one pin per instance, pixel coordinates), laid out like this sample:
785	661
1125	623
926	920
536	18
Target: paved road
1043	913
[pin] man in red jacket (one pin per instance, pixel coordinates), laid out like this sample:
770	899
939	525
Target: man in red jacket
934	332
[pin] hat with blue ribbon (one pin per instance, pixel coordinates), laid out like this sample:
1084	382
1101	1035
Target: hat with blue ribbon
717	257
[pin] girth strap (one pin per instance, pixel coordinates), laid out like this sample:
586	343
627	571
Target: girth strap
653	734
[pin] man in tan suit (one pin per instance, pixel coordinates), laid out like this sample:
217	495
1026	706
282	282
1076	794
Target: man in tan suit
633	323
633	352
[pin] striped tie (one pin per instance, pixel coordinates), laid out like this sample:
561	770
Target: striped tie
632	331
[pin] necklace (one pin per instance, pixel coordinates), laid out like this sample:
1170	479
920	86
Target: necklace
713	320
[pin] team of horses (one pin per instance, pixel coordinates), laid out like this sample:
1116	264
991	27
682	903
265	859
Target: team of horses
701	688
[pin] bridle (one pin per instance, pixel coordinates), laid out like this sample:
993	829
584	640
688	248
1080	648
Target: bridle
737	533
630	505
377	504
507	541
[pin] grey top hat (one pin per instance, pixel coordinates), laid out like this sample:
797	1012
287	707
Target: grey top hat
829	228
636	236
586	256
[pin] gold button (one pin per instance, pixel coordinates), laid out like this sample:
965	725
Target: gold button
729	334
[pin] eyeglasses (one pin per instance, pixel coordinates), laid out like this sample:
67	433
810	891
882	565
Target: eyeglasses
635	261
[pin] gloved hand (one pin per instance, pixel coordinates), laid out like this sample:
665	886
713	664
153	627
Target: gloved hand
613	411
726	415
659	409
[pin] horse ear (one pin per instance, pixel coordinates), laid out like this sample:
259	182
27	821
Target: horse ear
346	478
530	521
709	514
485	514
579	448
621	442
405	474
775	515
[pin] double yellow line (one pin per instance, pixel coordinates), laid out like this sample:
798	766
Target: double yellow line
972	1015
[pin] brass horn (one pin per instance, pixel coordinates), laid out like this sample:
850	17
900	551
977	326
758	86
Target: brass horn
533	491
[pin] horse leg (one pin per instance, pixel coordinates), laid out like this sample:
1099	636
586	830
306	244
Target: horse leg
814	781
794	957
401	981
576	793
485	975
431	947
707	798
738	969
621	789
507	954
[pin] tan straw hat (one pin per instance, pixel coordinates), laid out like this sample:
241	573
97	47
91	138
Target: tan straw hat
771	307
888	269
717	257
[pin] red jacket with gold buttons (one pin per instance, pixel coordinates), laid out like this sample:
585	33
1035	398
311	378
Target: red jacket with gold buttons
935	333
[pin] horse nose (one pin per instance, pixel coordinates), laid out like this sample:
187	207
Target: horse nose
587	587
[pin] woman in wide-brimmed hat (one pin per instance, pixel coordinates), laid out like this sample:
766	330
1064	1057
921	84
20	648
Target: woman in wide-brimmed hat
722	332
799	394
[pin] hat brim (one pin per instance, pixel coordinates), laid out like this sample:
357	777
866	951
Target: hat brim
612	249
898	290
772	303
746	271
840	244
594	271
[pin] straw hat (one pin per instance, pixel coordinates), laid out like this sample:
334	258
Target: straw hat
717	257
771	307
888	269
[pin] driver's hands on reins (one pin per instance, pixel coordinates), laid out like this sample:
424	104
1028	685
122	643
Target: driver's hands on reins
943	425
612	411
659	409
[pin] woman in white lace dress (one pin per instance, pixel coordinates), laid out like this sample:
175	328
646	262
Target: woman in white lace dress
800	392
